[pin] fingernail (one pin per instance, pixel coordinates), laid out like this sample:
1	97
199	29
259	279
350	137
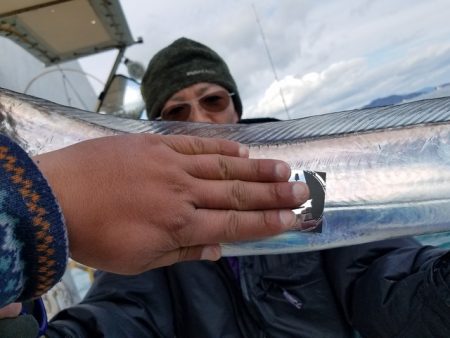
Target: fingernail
303	225
300	191
287	218
282	170
243	151
211	253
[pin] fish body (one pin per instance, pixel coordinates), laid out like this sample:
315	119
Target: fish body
387	169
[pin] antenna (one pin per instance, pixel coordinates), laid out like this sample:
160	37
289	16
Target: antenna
270	60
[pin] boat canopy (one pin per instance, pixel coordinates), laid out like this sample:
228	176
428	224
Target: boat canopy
61	30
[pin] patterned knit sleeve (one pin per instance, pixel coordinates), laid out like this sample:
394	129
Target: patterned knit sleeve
33	239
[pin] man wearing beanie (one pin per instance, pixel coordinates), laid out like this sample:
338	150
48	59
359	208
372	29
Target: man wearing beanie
180	65
393	288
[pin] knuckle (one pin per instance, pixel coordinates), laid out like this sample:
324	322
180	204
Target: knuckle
262	169
179	187
233	226
179	228
200	169
198	144
224	167
151	140
238	195
178	181
257	167
278	194
268	219
282	191
276	191
178	224
176	231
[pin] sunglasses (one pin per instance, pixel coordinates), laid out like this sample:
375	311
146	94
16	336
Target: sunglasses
213	102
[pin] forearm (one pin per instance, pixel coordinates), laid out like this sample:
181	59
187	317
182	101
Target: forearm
33	240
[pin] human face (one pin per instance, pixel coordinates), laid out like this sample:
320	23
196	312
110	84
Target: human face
199	103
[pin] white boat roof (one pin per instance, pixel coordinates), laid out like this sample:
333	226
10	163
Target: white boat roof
61	30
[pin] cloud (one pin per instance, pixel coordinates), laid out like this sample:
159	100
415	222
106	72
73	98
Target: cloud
352	84
324	86
327	55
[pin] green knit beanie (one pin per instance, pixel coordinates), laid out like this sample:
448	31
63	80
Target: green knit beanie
181	64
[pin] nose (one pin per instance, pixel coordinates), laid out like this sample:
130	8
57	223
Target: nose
198	114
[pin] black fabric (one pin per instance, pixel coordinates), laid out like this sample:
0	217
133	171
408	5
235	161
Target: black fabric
120	306
24	326
393	290
389	289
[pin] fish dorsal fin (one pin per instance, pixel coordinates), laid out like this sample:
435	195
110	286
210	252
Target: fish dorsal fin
422	112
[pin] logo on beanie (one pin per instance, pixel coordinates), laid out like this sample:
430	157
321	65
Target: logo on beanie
200	71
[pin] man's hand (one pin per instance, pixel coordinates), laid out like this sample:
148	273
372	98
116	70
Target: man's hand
10	311
136	202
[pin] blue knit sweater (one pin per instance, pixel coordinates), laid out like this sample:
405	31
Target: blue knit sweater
33	239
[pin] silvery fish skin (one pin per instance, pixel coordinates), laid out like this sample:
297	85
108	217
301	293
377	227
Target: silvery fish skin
388	168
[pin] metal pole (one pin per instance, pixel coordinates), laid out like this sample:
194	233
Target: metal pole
101	97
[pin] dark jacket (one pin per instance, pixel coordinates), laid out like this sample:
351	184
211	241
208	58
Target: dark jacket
394	288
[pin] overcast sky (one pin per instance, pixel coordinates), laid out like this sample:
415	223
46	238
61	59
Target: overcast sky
328	55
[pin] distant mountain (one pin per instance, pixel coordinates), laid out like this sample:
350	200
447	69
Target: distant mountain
425	93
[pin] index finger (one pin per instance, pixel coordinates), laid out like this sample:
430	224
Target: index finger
193	145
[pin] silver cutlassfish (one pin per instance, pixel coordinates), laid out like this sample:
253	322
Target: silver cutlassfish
387	169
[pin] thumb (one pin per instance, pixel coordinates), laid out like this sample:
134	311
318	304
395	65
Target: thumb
11	310
199	252
211	252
